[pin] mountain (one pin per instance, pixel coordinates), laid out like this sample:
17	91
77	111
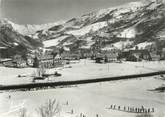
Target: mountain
133	24
29	29
12	42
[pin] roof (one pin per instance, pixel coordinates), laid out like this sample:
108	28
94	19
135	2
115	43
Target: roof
5	60
66	49
3	47
46	57
155	55
112	55
57	56
109	55
139	51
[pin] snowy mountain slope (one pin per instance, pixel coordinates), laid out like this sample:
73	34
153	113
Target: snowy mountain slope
87	29
14	42
124	26
53	42
136	21
31	29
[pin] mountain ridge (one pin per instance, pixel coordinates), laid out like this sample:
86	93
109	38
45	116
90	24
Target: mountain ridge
133	21
125	26
12	42
28	29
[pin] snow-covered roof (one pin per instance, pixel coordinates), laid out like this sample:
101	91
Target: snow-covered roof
3	47
57	56
122	44
143	45
66	49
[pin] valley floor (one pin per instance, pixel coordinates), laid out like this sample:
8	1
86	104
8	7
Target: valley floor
83	69
88	99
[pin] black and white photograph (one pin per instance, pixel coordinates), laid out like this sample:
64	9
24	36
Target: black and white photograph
82	58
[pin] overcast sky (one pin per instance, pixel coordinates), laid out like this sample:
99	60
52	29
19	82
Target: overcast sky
45	11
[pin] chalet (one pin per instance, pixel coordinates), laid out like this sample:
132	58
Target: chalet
16	61
106	57
111	54
7	62
155	57
99	58
57	61
135	55
70	56
111	57
123	55
138	55
85	53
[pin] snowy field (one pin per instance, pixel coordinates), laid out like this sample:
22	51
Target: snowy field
89	99
84	69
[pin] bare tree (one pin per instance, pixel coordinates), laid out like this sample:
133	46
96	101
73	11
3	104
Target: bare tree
49	109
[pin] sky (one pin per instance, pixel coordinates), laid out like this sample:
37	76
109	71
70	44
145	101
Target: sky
48	11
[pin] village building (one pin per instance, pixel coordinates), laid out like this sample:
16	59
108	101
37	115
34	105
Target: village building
48	61
110	53
7	62
135	55
70	56
85	53
155	57
106	57
140	54
99	58
19	62
57	61
111	57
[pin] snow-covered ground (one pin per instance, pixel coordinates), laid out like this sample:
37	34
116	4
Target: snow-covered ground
53	42
87	29
84	69
128	33
89	99
122	44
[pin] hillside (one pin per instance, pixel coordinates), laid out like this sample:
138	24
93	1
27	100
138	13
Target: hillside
139	24
32	28
13	42
124	26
